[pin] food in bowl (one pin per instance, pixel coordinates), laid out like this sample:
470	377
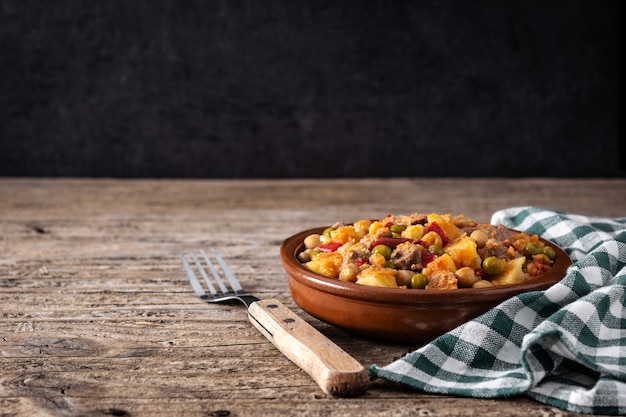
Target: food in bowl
426	251
392	314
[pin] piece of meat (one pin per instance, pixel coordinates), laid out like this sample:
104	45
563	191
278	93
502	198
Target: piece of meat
407	255
442	280
357	252
494	246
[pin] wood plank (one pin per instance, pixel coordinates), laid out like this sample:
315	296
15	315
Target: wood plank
97	316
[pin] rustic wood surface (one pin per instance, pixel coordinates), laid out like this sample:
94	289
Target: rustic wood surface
98	318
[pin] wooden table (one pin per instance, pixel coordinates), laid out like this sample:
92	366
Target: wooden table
98	318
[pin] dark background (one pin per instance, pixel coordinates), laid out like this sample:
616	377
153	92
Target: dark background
236	89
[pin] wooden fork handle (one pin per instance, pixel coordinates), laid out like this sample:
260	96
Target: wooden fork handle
335	371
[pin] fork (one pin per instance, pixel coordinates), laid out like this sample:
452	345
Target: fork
334	370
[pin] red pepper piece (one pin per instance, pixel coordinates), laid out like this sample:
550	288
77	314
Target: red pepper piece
392	242
434	227
329	246
536	268
428	257
481	273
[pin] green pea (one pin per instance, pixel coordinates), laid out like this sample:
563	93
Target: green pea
397	229
549	252
389	264
327	231
532	248
493	265
435	250
382	250
419	281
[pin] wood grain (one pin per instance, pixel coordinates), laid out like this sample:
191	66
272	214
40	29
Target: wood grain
97	317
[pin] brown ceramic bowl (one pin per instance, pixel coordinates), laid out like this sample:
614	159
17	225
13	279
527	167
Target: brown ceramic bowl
392	314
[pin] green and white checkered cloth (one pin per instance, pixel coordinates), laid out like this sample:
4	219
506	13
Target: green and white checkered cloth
565	346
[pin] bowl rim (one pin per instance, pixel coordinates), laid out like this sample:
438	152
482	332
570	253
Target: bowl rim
292	245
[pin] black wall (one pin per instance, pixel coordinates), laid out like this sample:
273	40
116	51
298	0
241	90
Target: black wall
284	88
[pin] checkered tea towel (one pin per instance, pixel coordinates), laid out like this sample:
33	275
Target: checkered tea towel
565	347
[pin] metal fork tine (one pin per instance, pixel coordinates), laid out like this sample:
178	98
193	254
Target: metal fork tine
216	275
234	283
204	275
192	277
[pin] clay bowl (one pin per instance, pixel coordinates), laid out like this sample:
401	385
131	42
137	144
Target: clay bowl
397	315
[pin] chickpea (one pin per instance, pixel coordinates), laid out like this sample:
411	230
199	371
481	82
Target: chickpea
304	256
349	272
312	241
483	283
480	236
403	277
466	277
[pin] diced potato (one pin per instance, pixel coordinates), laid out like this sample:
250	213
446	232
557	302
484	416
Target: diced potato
345	234
441	263
415	231
463	252
513	273
444	221
362	227
374	227
378	276
377	259
326	263
432	238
